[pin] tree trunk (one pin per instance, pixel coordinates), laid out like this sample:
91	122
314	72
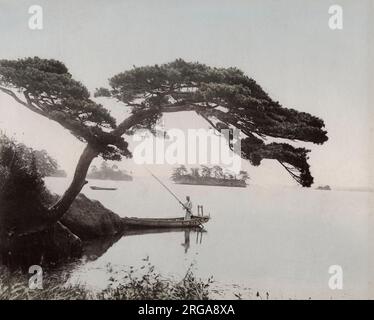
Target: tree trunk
57	211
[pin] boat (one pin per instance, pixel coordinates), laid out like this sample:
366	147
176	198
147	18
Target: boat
179	222
102	188
195	221
131	231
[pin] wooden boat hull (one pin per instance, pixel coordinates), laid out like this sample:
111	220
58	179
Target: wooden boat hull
104	189
136	231
165	222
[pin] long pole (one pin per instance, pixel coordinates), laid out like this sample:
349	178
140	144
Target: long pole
171	192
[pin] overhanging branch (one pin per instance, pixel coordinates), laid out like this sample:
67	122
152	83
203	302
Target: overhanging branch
28	105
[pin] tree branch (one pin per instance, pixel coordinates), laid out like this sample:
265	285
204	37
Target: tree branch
132	120
293	175
26	104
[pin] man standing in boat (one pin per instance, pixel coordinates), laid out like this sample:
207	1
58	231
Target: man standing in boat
188	208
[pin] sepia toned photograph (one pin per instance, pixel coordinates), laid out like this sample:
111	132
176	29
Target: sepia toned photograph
186	150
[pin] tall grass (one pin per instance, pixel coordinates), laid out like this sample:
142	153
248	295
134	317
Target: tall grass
148	286
151	285
15	286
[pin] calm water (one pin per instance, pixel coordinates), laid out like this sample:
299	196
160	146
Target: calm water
266	239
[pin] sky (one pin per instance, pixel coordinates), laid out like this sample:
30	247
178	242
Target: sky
286	46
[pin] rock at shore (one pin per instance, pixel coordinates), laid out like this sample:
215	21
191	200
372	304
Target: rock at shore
86	220
89	219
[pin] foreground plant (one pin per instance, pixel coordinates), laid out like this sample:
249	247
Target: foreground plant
15	286
148	286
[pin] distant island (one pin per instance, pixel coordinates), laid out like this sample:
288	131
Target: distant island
204	175
108	173
58	173
326	187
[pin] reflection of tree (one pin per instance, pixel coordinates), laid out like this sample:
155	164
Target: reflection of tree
93	249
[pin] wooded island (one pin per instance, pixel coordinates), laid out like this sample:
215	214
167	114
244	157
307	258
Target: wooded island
207	176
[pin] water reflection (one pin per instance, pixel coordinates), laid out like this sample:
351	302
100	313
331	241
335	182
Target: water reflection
94	249
19	253
186	231
186	243
199	237
24	252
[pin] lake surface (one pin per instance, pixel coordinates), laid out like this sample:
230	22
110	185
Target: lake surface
266	239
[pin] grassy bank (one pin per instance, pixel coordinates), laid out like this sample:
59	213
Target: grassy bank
150	285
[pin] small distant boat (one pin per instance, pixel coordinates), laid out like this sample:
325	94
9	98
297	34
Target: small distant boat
195	221
102	188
